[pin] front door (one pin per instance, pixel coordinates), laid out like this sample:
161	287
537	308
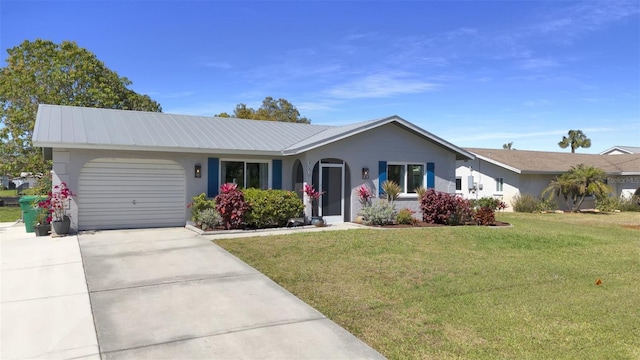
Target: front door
332	187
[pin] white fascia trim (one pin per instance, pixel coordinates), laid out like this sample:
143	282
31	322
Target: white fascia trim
323	142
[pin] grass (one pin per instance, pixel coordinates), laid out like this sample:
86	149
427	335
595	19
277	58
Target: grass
14	193
471	292
10	213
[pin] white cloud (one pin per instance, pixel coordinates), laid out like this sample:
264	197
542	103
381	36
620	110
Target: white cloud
380	85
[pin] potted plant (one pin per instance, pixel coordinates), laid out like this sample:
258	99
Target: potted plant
314	195
57	205
42	224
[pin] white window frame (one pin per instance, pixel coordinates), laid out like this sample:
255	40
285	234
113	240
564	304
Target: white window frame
406	164
245	161
499	185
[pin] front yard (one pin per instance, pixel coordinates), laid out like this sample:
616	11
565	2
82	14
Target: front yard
10	213
471	292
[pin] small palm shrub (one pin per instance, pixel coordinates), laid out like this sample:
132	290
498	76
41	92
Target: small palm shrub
405	217
443	208
271	207
231	205
208	219
379	213
391	190
420	191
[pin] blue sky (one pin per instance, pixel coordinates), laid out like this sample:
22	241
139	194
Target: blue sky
477	73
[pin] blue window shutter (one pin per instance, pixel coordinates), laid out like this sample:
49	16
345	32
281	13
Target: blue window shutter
431	176
213	171
276	181
382	175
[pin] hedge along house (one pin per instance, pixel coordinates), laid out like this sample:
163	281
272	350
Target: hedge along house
135	169
503	174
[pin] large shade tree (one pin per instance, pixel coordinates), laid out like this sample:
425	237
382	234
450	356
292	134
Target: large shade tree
578	183
271	110
575	139
43	72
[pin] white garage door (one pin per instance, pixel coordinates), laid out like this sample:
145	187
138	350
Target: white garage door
131	193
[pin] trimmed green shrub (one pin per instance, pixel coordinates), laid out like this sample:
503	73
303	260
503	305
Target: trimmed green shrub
271	207
494	204
208	219
405	217
198	205
525	203
379	213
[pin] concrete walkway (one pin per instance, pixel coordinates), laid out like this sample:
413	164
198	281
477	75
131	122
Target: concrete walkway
45	310
160	293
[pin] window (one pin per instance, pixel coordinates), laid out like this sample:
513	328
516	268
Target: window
408	176
499	184
245	174
458	184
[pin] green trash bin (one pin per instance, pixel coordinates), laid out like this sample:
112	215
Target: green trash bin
29	211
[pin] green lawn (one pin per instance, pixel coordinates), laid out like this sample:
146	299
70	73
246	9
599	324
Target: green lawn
10	213
526	292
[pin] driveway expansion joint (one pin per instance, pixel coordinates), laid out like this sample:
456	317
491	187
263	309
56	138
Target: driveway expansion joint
218	333
178	281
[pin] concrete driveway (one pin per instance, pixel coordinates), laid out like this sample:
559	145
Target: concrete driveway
170	293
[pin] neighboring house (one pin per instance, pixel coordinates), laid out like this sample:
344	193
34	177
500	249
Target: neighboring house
140	169
504	174
617	150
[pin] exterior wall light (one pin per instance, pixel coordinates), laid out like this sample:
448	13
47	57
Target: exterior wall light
365	173
198	171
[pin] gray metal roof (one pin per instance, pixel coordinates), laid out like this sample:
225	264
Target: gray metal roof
93	128
80	127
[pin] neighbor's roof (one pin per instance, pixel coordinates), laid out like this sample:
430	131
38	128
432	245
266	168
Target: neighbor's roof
93	128
622	149
543	162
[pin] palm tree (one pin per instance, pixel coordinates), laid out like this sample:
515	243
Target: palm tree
575	139
507	146
578	183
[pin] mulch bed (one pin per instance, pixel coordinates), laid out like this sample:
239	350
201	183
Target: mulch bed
424	224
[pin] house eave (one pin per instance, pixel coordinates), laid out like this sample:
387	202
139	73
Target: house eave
156	149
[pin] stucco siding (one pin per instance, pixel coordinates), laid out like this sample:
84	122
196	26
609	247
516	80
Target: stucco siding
387	143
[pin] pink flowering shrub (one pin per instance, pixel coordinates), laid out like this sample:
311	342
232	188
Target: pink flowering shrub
57	203
364	195
231	205
442	208
312	193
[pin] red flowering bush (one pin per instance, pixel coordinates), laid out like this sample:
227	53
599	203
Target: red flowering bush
57	203
442	208
485	216
364	195
231	205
